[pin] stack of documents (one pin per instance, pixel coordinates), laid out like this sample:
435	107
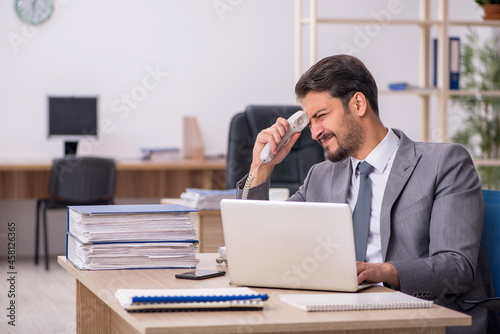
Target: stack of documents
166	153
131	236
190	299
203	199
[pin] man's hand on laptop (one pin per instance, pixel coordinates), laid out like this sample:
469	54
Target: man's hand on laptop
378	272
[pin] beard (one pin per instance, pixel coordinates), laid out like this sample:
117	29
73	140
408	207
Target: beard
349	139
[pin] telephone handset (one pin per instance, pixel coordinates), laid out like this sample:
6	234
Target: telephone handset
297	122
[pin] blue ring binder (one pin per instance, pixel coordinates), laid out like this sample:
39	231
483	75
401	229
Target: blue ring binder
186	299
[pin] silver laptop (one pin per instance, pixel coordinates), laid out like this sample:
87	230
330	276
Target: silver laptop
297	245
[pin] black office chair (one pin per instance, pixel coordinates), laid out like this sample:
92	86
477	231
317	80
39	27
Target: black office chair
75	181
243	130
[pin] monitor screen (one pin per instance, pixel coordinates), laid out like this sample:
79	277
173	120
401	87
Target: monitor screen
73	116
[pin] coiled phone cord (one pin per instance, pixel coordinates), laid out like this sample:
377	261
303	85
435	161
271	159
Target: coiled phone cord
248	183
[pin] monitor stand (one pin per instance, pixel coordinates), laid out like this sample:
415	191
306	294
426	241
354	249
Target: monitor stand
70	147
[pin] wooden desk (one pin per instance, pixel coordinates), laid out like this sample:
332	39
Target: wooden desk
134	179
99	312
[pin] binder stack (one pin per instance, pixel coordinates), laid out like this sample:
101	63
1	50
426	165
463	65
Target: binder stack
131	237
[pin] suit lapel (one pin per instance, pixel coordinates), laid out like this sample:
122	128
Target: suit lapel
340	181
404	163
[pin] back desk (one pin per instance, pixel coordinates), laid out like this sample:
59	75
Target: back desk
134	179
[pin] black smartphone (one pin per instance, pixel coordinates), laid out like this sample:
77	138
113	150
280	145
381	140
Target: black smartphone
201	274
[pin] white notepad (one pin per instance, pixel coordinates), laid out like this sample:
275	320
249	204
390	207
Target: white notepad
354	301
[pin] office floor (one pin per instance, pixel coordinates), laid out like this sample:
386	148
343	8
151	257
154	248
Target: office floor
45	301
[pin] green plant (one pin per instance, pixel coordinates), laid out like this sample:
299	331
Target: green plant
480	132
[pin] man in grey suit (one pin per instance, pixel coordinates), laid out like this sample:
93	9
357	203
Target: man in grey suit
426	209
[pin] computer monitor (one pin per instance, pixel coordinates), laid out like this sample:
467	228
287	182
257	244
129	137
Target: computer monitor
72	117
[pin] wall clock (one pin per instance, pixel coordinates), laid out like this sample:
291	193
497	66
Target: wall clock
34	11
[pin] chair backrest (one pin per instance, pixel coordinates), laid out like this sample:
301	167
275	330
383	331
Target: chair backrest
82	180
243	130
490	242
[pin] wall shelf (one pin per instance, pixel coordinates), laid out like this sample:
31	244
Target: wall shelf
488	23
424	23
361	21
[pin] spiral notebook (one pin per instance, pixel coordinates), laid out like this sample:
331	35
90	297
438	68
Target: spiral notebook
354	301
190	299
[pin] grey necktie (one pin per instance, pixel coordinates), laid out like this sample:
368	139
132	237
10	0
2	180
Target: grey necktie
361	214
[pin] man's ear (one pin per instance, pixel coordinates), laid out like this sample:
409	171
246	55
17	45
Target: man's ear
360	103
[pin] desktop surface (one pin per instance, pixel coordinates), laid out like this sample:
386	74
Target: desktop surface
99	311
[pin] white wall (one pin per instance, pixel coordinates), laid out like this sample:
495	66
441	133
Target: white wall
214	58
211	62
220	55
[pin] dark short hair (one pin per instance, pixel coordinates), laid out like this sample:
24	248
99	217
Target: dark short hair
342	76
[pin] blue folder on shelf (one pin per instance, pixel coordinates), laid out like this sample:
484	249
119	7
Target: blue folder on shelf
454	62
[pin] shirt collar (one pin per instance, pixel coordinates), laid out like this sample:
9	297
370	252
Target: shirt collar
381	154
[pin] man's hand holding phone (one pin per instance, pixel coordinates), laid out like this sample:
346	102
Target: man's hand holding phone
281	137
272	135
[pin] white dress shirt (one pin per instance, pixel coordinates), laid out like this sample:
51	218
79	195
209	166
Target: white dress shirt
381	158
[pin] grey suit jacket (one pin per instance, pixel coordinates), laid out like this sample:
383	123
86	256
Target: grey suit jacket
430	225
